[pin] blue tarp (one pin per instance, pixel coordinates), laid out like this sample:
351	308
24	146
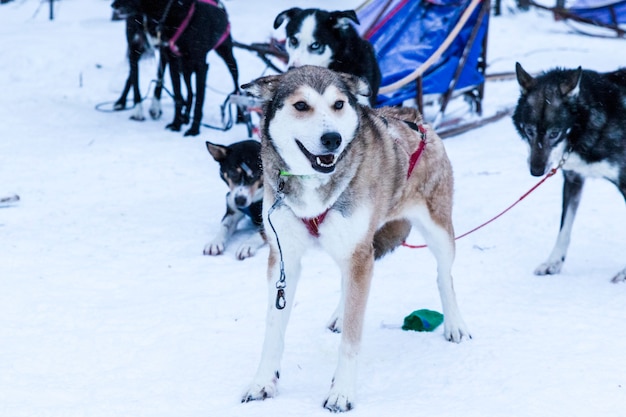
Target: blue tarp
409	32
602	11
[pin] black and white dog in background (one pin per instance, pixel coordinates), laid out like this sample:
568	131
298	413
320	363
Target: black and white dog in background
240	168
578	118
329	39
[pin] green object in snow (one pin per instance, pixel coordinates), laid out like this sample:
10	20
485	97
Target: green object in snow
422	321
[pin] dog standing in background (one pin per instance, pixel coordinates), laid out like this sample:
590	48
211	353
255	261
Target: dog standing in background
191	29
577	118
328	39
353	180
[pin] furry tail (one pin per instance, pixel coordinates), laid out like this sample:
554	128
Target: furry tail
390	236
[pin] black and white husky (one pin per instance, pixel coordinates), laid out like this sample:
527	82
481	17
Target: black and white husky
353	180
328	39
577	118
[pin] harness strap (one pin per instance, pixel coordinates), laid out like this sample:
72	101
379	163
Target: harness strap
185	23
313	224
415	156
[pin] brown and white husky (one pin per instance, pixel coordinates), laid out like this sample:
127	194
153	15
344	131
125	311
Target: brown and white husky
353	180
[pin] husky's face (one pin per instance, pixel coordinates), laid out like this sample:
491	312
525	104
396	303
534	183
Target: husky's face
312	34
310	116
240	169
543	115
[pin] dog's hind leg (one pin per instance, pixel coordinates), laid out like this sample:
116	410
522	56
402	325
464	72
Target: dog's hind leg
572	189
201	70
386	239
120	104
437	230
225	51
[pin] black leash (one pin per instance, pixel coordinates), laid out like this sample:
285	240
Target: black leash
281	302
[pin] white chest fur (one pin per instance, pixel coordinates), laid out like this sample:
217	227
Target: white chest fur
602	169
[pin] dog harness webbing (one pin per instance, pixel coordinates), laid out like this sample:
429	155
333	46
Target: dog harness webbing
185	23
415	156
313	224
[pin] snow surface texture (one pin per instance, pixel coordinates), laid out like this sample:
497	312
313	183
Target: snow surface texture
108	307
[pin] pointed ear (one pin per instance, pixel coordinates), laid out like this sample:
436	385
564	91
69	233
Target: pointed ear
262	88
342	19
358	87
287	14
525	80
570	85
218	152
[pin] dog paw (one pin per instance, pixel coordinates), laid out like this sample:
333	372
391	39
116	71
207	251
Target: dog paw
174	127
335	324
138	117
214	248
193	131
456	334
620	277
155	114
549	268
338	402
260	391
455	330
245	251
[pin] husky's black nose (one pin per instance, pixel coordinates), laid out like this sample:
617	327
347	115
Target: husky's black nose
331	140
241	201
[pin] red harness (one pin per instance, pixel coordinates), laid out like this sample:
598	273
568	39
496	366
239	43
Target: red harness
185	23
313	224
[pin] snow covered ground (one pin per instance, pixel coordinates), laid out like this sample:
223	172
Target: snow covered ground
108	307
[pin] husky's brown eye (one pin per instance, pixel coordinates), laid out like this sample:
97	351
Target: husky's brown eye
293	42
338	105
301	106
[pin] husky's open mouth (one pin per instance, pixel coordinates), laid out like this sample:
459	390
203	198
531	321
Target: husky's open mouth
321	163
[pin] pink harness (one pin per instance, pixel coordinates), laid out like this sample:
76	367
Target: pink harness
185	23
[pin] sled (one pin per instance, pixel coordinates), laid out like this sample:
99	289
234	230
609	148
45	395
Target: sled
431	52
606	14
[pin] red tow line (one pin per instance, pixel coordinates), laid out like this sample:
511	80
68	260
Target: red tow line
548	175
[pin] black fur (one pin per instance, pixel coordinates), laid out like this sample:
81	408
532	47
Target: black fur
207	25
351	53
582	114
138	29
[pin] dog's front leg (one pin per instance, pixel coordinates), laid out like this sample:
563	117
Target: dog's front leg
250	246
572	189
265	383
357	273
229	223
